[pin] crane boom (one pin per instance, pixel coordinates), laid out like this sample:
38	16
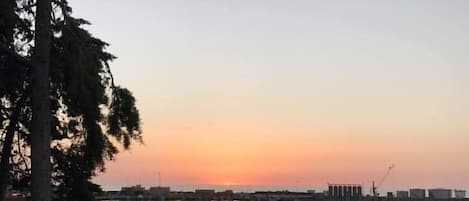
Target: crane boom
375	187
385	175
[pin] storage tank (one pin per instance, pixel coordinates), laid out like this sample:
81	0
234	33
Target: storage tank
459	193
335	192
402	194
417	193
340	192
390	195
439	193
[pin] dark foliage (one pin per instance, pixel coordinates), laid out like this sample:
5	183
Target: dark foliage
89	112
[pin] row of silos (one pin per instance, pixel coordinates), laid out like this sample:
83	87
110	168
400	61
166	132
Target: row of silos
345	191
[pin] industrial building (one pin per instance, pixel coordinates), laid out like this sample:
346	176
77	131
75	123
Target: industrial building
335	192
159	190
439	193
311	191
417	193
402	194
133	190
204	194
459	194
282	196
348	192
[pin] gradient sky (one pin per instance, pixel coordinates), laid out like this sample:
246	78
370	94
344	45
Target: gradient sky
291	93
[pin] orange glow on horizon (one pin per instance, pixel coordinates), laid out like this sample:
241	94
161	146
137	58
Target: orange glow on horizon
199	154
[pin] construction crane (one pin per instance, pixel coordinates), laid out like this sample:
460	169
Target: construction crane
374	188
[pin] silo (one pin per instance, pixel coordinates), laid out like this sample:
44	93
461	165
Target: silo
417	193
354	191
390	195
341	192
344	191
359	191
336	191
331	191
349	191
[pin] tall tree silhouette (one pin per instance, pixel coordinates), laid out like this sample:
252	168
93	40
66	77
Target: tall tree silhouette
41	139
9	87
87	109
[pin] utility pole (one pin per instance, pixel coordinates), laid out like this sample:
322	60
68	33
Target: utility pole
159	179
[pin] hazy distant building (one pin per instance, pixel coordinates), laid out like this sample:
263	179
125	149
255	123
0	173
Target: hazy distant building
390	195
133	190
439	193
205	191
159	190
417	193
402	194
282	196
225	195
204	194
459	193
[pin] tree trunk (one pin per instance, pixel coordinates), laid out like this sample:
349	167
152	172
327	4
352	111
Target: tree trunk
6	150
41	121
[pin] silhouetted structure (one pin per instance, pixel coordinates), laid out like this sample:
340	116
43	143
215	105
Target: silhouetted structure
133	190
345	192
417	193
159	190
204	194
402	195
439	193
459	194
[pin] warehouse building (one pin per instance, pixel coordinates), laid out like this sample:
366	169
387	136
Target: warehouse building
417	193
402	194
459	194
439	193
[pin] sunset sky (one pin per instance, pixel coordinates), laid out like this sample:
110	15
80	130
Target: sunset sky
291	93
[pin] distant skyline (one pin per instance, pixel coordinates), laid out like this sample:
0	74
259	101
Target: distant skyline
291	93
